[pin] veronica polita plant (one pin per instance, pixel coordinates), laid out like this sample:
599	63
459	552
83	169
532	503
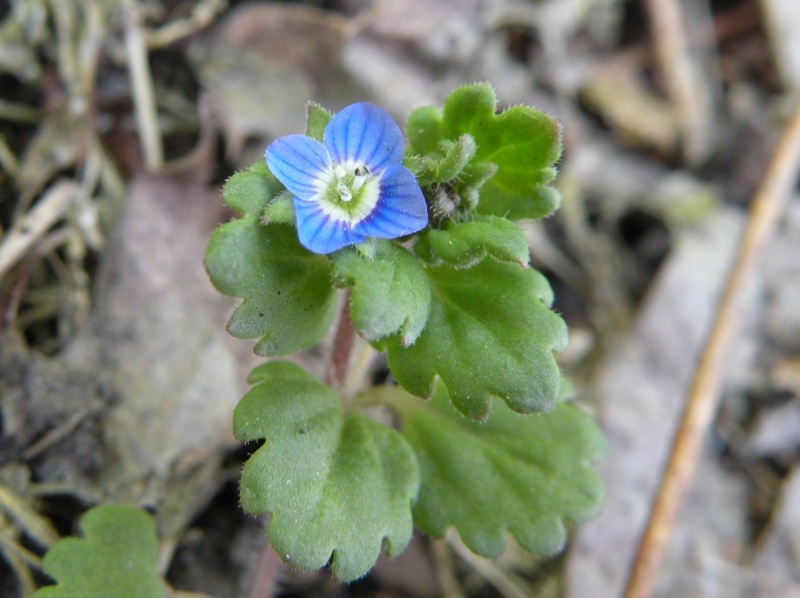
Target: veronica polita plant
424	240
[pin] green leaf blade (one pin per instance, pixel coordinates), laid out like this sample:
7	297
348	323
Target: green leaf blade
455	159
116	559
466	244
524	144
317	118
490	335
249	192
520	139
516	203
469	109
336	483
390	293
523	474
424	130
289	303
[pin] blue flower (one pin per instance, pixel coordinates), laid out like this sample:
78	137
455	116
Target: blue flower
351	186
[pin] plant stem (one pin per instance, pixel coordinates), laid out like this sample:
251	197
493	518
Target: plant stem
346	380
343	341
268	569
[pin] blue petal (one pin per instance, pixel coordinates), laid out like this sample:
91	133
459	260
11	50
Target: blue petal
300	163
320	233
364	134
401	208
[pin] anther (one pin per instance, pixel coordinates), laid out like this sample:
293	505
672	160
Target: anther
344	192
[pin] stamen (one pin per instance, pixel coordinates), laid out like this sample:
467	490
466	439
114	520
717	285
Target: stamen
344	192
359	181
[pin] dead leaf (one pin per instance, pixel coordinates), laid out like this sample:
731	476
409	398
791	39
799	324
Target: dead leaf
776	431
251	95
447	30
635	114
263	62
781	19
781	270
786	376
156	335
52	415
777	562
640	393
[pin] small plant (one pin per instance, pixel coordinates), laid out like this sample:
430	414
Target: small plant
116	558
420	248
435	274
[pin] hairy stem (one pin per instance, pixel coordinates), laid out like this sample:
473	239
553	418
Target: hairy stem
339	361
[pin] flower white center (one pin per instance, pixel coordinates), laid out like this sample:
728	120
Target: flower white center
350	193
341	185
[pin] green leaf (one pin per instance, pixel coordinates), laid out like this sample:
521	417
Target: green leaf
524	142
280	210
117	558
390	292
490	334
336	483
289	302
317	118
445	166
424	130
530	199
424	168
465	244
522	474
249	192
477	173
468	108
455	159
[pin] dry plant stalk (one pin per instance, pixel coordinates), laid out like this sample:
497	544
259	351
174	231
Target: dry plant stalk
143	93
767	207
686	86
33	226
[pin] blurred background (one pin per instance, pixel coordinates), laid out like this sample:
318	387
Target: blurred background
120	120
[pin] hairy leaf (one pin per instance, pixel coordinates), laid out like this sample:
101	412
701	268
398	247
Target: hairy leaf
336	483
424	130
465	244
317	118
280	210
390	291
522	141
116	559
490	334
455	159
524	144
523	474
249	192
288	299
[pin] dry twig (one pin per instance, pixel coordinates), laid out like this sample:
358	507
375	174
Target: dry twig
32	227
703	398
507	583
685	85
143	94
202	15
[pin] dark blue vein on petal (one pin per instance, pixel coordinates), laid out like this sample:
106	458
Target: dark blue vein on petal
298	162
